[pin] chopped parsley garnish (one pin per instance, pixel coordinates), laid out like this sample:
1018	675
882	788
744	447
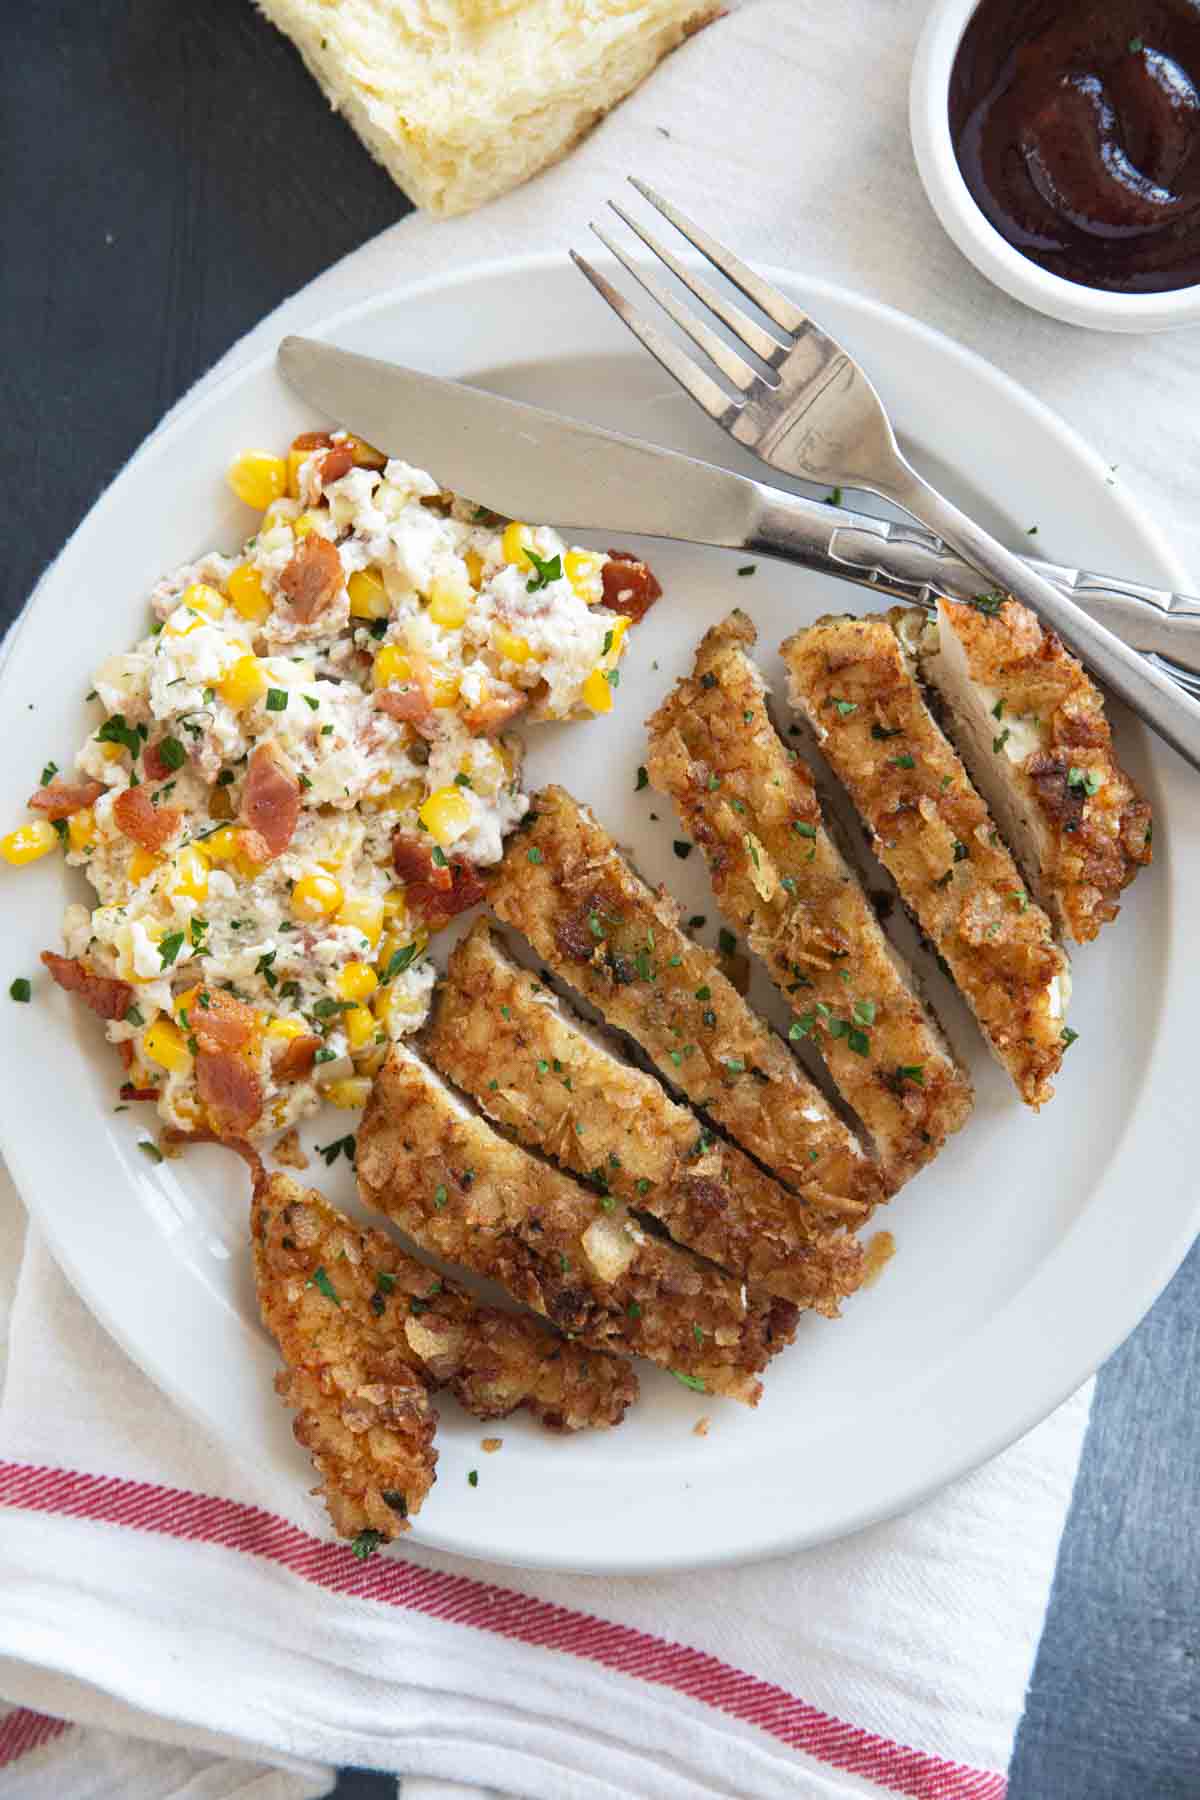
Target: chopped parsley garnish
990	604
747	568
343	1146
472	1477
534	855
696	921
134	1015
902	762
708	679
48	773
999	742
998	710
704	993
961	852
1068	1036
607	645
320	1280
169	948
438	857
325	1054
399	960
881	734
803	830
461	780
263	967
695	1382
682	849
726	942
1087	779
846	707
439	1195
864	1011
21	989
545	571
172	752
613	677
277	699
366	1543
643	780
396	1500
735	1066
150	1150
197	926
116	731
834	497
911	1072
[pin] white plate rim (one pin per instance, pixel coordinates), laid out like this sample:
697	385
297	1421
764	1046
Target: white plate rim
1063	1366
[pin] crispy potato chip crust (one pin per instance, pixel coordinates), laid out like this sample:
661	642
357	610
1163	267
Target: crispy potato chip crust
365	1331
566	887
752	807
469	1195
934	835
540	1073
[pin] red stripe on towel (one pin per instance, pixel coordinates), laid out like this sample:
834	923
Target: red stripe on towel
391	1581
25	1730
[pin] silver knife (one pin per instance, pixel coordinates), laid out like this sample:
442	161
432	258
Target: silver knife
522	461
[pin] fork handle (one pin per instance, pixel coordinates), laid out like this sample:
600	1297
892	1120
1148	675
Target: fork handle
1146	690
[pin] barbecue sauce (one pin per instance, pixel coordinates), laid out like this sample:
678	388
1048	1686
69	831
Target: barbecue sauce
1077	128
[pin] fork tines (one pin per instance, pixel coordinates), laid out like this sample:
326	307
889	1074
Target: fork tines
760	342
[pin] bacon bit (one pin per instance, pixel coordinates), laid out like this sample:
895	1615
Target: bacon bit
129	1092
62	798
125	1052
490	1445
108	998
493	714
226	1023
312	440
179	1140
230	1090
701	1427
313	578
271	799
148	825
152	762
408	706
253	846
335	463
297	1058
437	892
629	586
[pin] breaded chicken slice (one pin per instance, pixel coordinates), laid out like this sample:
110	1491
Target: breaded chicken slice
1030	725
469	1195
365	1331
567	888
853	681
557	1086
751	805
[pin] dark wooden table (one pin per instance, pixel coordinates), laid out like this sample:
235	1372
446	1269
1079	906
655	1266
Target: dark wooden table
171	174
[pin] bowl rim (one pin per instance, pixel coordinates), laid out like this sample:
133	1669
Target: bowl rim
975	235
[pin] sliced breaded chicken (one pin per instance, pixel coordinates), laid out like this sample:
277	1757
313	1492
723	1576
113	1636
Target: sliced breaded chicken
567	888
932	832
752	807
355	1318
551	1080
1030	726
467	1194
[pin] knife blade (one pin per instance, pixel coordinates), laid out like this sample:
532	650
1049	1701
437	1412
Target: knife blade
525	462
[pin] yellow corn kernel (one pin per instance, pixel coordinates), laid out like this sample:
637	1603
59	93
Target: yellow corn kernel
357	981
446	815
189	878
304	524
365	914
28	842
288	1027
516	540
597	691
368	596
243	683
474	564
391	664
250	598
164	1044
616	639
445	689
449	603
81	828
317	897
295	462
222	846
351	1092
279	513
203	599
257	477
510	647
358	1023
405	796
581	568
395	906
370	1062
142	863
182	623
186	1000
111	752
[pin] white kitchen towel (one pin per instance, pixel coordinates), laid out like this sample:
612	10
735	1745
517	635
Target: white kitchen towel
155	1586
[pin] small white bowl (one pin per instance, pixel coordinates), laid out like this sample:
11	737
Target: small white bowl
976	237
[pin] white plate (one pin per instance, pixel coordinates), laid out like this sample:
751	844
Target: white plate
1023	1256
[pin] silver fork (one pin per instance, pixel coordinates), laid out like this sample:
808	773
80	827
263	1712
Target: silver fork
816	415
